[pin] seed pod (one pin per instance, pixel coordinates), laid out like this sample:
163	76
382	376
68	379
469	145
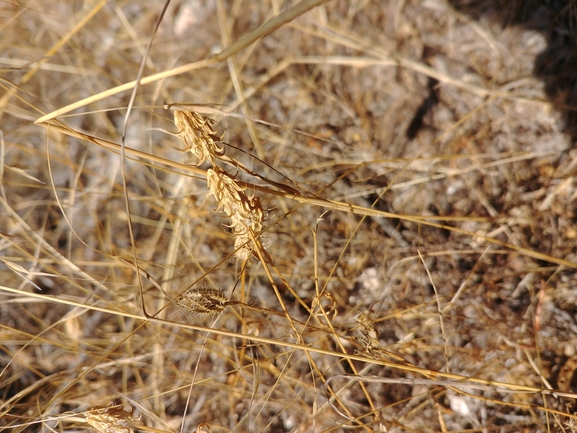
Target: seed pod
203	301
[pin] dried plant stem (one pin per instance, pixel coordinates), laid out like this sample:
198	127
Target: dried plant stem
209	301
205	301
306	348
53	50
261	31
449	383
331	204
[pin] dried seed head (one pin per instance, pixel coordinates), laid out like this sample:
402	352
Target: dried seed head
110	420
198	135
368	334
203	300
369	338
225	190
245	212
242	247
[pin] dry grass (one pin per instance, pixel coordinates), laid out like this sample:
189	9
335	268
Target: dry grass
386	241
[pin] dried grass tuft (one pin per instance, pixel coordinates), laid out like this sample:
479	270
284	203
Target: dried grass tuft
433	145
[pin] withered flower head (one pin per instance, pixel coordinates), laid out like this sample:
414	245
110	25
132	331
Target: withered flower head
198	135
245	212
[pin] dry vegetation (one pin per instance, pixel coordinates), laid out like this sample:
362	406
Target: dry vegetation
386	241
